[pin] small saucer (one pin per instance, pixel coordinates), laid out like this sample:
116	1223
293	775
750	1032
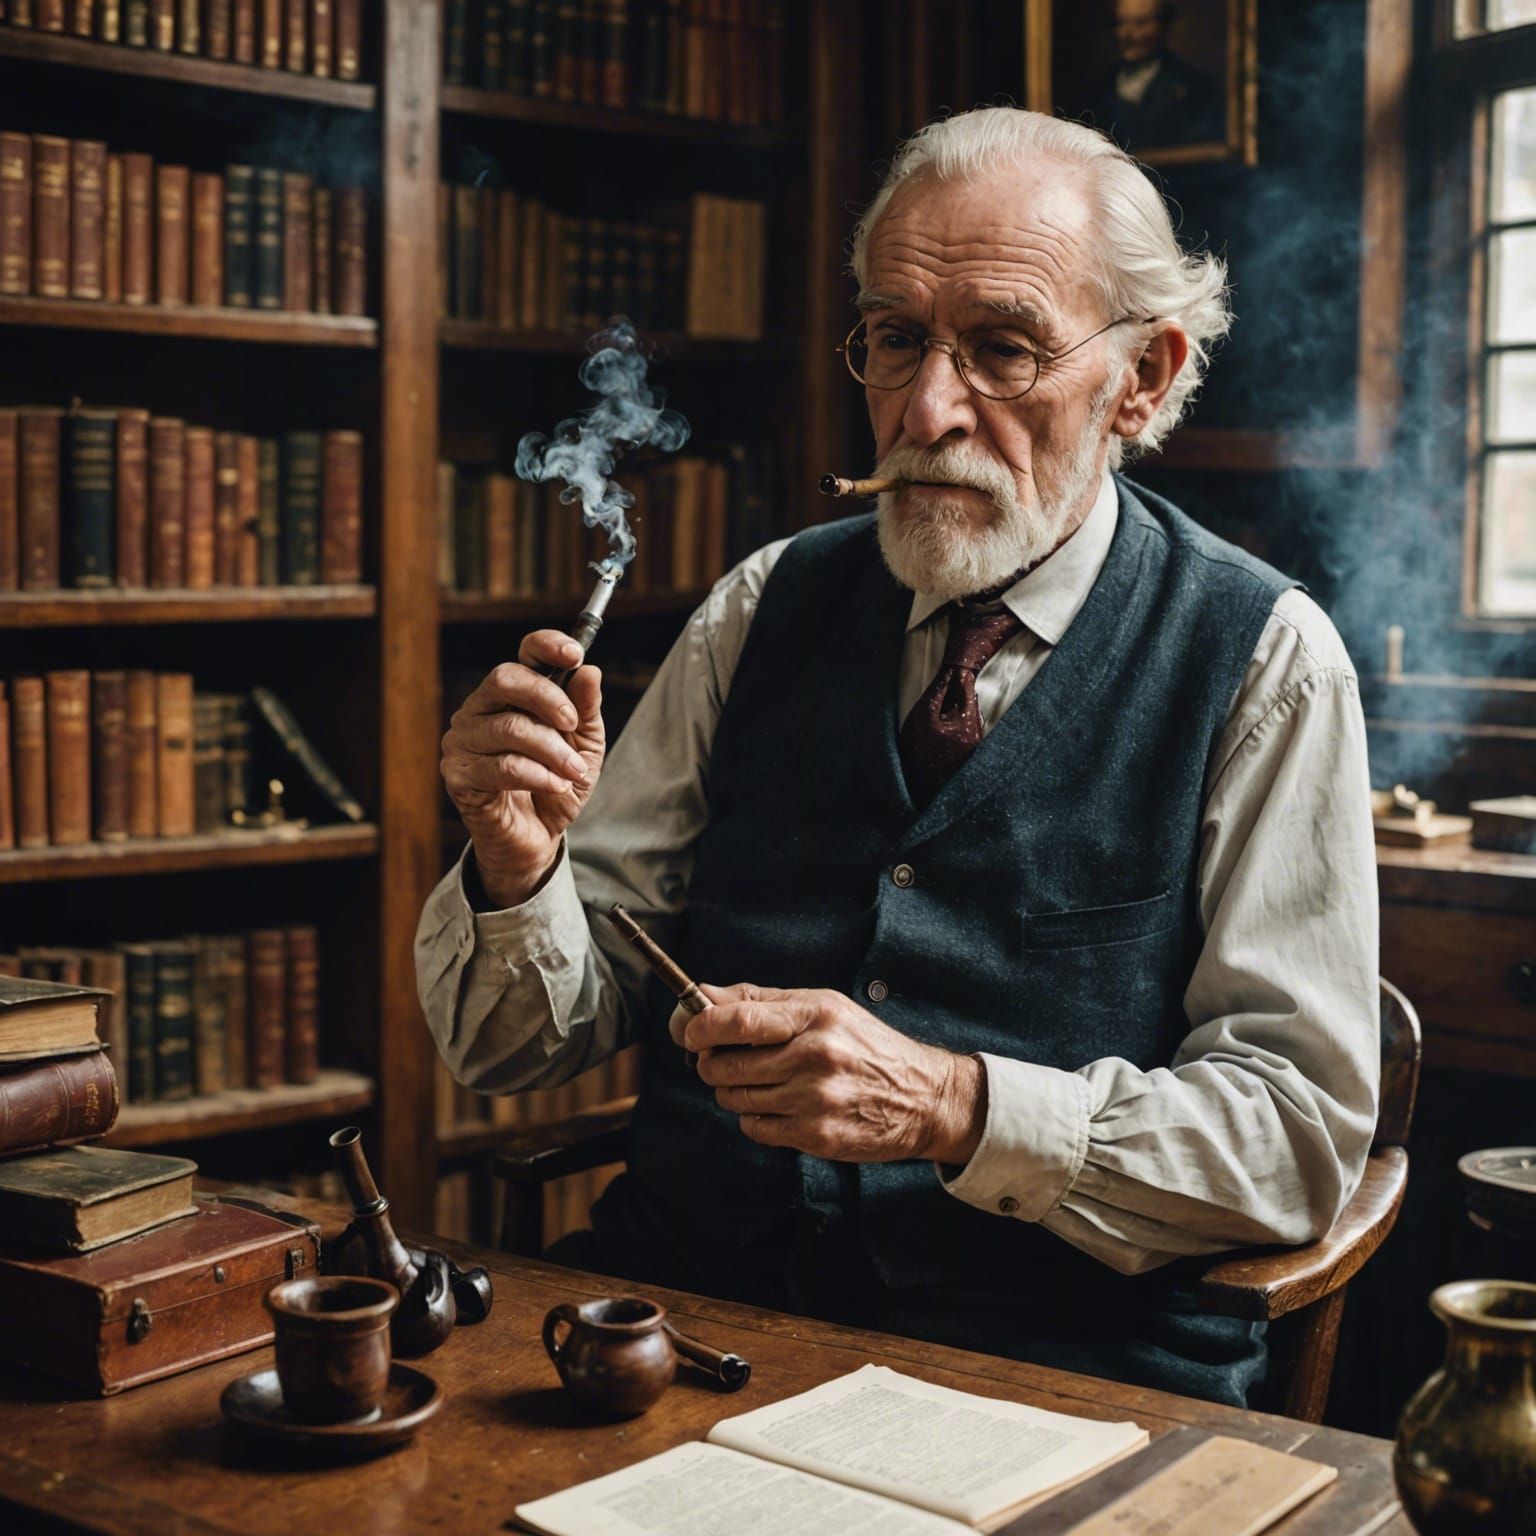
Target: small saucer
411	1398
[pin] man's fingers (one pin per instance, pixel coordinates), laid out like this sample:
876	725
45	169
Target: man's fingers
476	771
585	695
761	1099
514	685
728	1066
512	731
773	1021
549	648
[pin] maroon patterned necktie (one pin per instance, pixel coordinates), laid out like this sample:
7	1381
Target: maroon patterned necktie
944	727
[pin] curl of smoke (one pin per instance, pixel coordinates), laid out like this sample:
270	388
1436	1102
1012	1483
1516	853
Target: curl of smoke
584	449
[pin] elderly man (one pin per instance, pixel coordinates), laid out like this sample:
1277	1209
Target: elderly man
1021	829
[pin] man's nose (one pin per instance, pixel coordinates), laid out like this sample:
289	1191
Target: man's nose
940	403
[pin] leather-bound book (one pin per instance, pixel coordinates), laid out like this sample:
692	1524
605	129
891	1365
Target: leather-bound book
341	511
173	1021
489	265
50	216
38	435
303	1031
173	718
87	217
104	968
349	210
578	246
321	246
189	29
69	757
7	802
266	970
349	39
301	508
109	22
504	285
269	516
208	763
89	505
226	509
10	517
298	236
239	251
490	39
617	70
567	50
236	727
132	497
109	755
269	238
237	1065
467	253
15	213
57	1103
112	232
322	38
469	534
82	17
208	1018
295	53
591	61
139	990
199	473
138	228
167	502
172	244
269	34
136	23
143	755
247	491
242	43
51	15
29	761
455	41
301	750
207	240
500	534
218	26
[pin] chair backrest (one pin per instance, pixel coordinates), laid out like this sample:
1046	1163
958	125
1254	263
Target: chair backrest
1401	1048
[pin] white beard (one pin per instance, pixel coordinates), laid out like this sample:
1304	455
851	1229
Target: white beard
939	551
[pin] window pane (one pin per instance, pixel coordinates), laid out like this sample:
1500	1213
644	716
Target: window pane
1512	286
1512	397
1510	13
1513	188
1509	534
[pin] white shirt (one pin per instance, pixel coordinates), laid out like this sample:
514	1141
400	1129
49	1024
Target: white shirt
1257	1131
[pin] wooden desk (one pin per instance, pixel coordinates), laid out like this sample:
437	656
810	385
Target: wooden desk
160	1461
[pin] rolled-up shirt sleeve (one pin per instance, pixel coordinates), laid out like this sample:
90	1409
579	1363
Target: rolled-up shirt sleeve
1259	1129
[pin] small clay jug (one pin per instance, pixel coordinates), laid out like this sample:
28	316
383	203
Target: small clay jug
332	1345
1465	1462
617	1358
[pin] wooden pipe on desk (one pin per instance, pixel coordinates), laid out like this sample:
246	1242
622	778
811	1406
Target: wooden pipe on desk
731	1371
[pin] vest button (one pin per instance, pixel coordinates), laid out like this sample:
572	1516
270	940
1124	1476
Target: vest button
877	991
903	875
1007	1205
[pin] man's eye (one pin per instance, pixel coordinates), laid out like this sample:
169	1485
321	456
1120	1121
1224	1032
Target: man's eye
894	341
1000	347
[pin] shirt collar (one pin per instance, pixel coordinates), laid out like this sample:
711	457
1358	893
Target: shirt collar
1048	599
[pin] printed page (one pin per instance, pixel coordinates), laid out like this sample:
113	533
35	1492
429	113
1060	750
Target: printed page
971	1458
705	1490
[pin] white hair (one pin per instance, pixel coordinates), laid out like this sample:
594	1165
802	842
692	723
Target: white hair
1142	271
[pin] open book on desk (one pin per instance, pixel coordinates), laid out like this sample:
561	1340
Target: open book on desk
873	1451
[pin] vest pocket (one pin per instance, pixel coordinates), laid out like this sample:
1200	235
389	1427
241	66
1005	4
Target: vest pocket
1084	926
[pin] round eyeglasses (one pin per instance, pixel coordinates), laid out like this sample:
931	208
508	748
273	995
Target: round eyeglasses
994	363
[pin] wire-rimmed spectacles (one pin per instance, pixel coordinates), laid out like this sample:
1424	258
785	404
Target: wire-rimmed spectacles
994	362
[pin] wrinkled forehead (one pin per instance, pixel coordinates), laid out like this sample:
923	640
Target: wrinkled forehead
1022	236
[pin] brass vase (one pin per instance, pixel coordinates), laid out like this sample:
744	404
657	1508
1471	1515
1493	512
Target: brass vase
1466	1446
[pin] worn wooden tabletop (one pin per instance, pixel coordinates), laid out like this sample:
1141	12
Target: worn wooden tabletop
160	1461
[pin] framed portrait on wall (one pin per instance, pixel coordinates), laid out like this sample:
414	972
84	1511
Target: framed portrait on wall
1173	81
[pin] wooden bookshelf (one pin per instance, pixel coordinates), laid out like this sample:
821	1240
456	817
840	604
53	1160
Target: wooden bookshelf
181	69
477	335
231	849
474	608
192	321
333	1093
223	605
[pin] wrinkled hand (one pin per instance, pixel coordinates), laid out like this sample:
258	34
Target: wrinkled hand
520	759
814	1071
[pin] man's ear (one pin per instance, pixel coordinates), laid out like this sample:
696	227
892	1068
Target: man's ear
1156	369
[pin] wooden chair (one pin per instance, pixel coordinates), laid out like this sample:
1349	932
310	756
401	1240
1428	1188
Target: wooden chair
1298	1291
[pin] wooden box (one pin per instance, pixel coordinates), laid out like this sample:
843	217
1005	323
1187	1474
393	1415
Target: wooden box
181	1295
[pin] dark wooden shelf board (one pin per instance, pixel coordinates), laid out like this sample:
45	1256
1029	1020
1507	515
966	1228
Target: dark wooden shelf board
170	855
54	610
194	321
479	336
540	112
473	608
471	1138
333	1093
117	59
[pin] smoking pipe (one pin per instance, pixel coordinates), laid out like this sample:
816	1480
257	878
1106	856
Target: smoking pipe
590	620
428	1308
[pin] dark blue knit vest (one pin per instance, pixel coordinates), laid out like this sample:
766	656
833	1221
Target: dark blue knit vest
1052	918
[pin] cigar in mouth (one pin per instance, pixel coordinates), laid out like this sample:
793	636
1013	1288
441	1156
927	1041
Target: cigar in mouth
836	485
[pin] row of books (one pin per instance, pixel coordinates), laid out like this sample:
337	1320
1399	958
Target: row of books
119	498
117	755
714	59
79	222
512	261
314	37
196	1015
